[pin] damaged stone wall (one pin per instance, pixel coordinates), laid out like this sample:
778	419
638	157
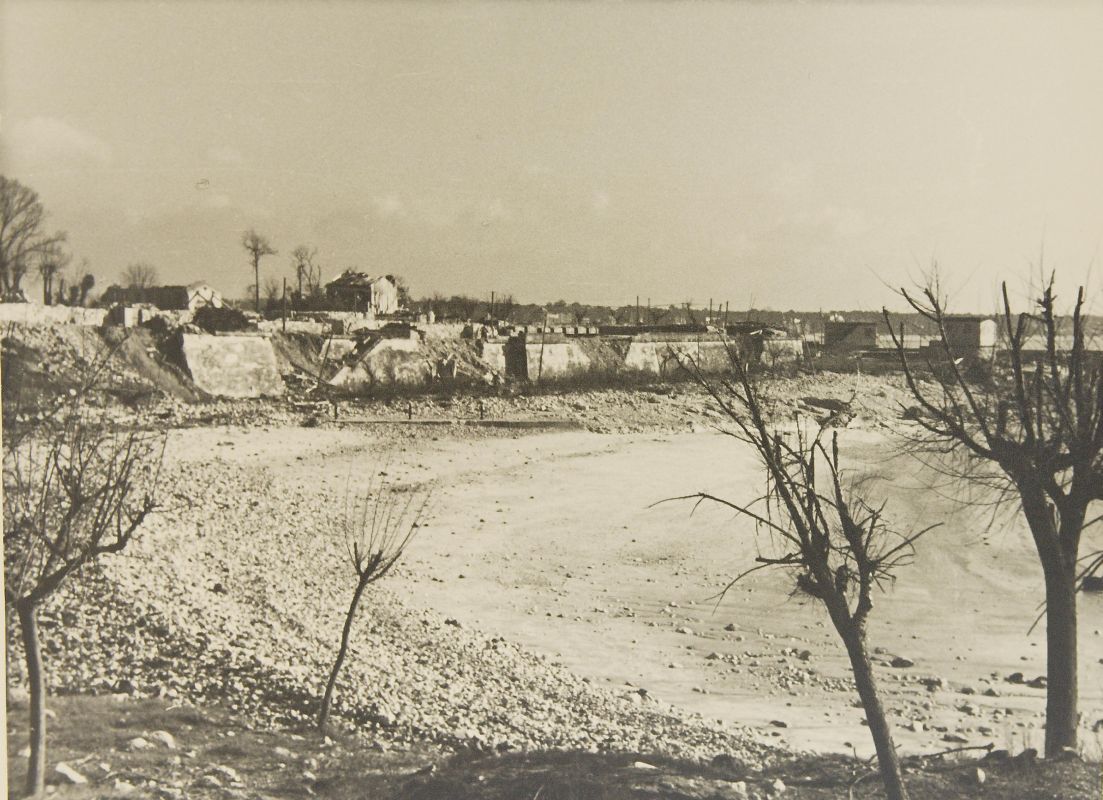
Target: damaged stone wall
232	365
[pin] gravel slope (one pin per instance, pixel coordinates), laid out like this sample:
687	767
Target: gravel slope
236	593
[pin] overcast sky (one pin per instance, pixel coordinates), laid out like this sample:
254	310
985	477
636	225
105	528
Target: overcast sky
790	156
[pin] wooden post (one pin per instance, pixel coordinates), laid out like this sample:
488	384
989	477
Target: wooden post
283	312
543	336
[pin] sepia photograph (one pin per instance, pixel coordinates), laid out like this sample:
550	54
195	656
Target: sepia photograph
552	400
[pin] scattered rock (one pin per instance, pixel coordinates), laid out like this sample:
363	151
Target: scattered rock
901	663
979	776
727	761
163	738
68	774
737	790
138	743
1027	756
228	773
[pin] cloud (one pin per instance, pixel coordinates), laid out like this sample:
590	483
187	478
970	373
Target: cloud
224	154
48	141
389	206
845	222
497	211
217	200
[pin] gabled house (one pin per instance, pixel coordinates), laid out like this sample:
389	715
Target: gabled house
842	336
167	298
358	291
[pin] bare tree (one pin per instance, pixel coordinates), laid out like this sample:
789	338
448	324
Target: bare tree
52	261
505	307
139	275
87	283
839	542
257	247
376	531
273	290
22	237
73	491
1028	424
463	306
307	272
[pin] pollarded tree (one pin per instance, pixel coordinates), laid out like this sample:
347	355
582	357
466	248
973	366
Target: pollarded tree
307	273
257	247
22	233
139	275
1030	416
376	531
838	541
74	489
52	261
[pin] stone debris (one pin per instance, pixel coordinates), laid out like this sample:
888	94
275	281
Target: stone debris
150	617
68	774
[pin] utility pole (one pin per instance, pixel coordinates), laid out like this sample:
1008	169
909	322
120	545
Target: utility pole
492	305
638	320
283	311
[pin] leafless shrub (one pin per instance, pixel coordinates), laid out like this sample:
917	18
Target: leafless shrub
828	531
1022	423
376	529
74	489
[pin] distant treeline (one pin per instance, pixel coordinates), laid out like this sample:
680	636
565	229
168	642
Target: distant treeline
561	312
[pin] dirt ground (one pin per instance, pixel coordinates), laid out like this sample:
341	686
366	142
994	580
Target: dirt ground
136	749
551	541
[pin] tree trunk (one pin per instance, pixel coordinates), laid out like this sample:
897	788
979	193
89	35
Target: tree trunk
327	698
889	762
1062	718
256	279
36	766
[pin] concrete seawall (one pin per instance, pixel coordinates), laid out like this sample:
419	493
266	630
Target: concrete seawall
556	356
232	366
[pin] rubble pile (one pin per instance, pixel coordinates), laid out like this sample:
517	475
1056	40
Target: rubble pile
233	597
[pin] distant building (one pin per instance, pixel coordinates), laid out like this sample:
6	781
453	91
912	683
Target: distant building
969	335
842	336
167	298
357	291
